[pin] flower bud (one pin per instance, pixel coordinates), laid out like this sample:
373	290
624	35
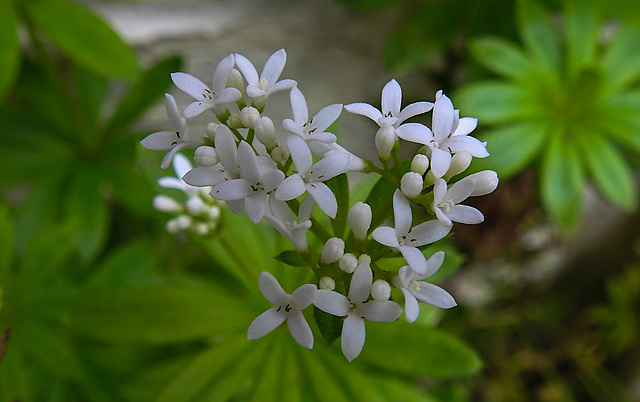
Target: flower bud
327	283
195	205
486	181
249	115
184	222
201	228
360	219
429	179
266	132
166	204
235	80
172	226
280	155
420	164
385	140
211	130
381	290
364	259
214	212
234	121
348	263
459	163
411	184
332	251
205	156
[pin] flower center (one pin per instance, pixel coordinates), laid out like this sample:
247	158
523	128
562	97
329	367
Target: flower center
414	285
263	84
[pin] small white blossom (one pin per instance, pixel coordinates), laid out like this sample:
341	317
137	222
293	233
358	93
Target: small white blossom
267	84
283	220
414	288
286	308
311	129
445	202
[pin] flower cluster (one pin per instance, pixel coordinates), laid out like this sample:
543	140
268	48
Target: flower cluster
279	171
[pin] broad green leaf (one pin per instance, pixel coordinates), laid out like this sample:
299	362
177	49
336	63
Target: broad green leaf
621	61
203	370
6	247
363	188
159	314
340	187
330	326
623	121
381	202
418	351
84	36
129	186
496	102
270	383
88	97
583	33
611	174
357	382
144	93
48	254
538	34
17	377
393	389
10	54
501	57
292	258
512	148
128	264
322	382
562	181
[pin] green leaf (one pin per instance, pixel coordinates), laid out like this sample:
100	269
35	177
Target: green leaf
322	382
611	174
562	183
583	33
84	36
494	102
512	148
6	247
88	96
159	313
623	121
129	264
10	54
270	381
539	35
292	258
501	57
330	326
381	202
144	93
621	61
418	351
48	254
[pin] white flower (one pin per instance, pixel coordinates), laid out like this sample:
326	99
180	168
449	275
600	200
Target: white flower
287	308
309	177
283	220
267	83
447	136
356	308
407	239
445	202
253	185
311	129
390	117
207	98
414	289
174	141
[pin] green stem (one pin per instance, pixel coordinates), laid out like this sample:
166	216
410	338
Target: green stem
384	173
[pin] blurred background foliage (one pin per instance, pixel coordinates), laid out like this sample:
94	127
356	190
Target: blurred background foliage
98	302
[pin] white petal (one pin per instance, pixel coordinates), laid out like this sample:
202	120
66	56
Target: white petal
221	74
401	213
467	144
333	164
324	197
442	118
192	86
235	189
332	302
274	66
235	206
248	163
166	160
386	235
414	258
434	295
353	335
361	281
306	208
326	138
304	296
460	191
433	264
181	165
466	125
300	153
195	108
255	92
428	232
281	211
282	86
292	187
160	141
204	176
246	68
299	106
272	179
326	117
300	330
172	110
171	182
380	311
411	306
439	191
229	95
442	217
226	149
414	109
465	214
486	182
265	323
415	132
391	98
405	276
271	289
364	109
255	206
292	127
440	162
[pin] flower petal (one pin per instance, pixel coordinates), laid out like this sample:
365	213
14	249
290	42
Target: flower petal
195	108
171	182
361	281
236	206
415	132
247	68
466	125
248	163
433	264
160	141
181	165
255	206
300	330
274	66
192	86
204	176
324	197
486	182
385	235
428	232
228	95
299	106
304	296
265	323
292	187
332	302
271	289
326	117
465	214
380	311
411	306
439	191
221	74
414	109
334	163
282	86
300	153
225	145
440	162
465	143
443	116
364	109
434	295
414	258
391	98
236	189
353	335
401	213
460	191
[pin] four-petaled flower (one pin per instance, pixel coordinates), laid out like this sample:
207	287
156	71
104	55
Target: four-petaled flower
414	288
267	83
355	309
407	239
311	129
445	202
287	308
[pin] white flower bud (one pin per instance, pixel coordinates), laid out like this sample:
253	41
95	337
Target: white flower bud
235	80
411	184
280	155
266	132
172	226
195	205
381	290
249	115
486	181
327	283
364	259
348	263
234	121
459	163
429	179
385	140
211	130
214	212
420	164
201	228
184	222
166	204
360	219
205	156
332	251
